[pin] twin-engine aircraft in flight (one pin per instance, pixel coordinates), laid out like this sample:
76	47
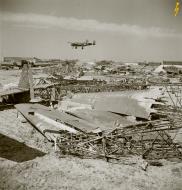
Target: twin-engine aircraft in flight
82	44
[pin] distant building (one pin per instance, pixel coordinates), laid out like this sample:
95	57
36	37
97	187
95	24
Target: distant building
172	63
154	63
142	63
18	59
150	63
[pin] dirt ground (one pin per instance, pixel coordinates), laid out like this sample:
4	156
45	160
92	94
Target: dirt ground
28	162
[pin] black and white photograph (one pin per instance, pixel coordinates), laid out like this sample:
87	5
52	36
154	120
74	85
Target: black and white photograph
90	94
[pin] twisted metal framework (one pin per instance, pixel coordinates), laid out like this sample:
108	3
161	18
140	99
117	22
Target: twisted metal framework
62	90
152	139
149	140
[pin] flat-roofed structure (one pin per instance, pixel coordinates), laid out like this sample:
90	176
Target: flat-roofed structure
18	59
172	63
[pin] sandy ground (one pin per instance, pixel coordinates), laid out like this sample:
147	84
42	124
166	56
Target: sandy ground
9	76
52	172
29	162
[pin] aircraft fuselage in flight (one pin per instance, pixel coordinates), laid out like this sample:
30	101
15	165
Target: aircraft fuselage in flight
82	44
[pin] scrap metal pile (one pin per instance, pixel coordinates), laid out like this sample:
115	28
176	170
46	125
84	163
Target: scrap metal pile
159	138
151	140
77	133
63	86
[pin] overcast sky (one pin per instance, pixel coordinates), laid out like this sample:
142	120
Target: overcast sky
127	30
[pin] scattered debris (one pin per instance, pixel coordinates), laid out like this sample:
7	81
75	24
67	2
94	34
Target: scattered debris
105	124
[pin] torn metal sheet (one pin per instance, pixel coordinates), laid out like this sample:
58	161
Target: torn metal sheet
105	120
12	91
132	103
42	113
44	125
124	105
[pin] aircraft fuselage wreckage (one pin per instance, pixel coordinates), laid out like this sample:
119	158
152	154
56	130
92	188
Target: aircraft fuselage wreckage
82	44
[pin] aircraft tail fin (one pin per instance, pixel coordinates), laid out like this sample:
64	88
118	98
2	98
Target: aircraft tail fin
26	77
24	80
94	42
